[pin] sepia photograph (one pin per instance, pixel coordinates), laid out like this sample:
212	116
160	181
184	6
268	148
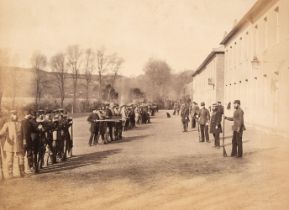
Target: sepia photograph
144	104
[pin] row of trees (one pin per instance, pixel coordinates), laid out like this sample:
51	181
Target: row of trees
72	64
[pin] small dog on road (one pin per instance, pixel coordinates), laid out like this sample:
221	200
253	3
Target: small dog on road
168	115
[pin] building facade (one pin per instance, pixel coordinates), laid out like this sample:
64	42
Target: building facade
257	65
208	79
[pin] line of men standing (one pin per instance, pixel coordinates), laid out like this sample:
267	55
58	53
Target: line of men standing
212	122
110	120
43	137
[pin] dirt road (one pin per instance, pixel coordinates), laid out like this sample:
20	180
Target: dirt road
157	166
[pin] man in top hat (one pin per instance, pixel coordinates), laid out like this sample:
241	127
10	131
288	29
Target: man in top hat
204	118
238	128
13	145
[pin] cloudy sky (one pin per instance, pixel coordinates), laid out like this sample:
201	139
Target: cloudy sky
182	32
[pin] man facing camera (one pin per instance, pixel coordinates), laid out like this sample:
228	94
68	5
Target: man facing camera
238	128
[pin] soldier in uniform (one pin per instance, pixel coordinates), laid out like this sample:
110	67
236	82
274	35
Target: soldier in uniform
204	118
94	128
13	145
238	128
185	112
118	124
124	117
49	127
68	141
108	115
102	125
215	124
27	126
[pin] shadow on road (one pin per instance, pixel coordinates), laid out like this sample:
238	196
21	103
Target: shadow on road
80	161
130	138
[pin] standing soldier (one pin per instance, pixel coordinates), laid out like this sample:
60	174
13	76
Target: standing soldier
215	125
123	113
102	124
204	118
68	140
14	143
108	115
238	128
185	112
94	128
48	127
27	127
118	124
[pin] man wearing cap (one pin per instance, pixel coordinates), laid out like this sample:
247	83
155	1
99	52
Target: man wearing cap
238	128
13	145
27	127
204	118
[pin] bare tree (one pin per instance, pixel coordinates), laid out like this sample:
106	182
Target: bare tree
38	62
115	65
103	62
57	64
73	62
89	68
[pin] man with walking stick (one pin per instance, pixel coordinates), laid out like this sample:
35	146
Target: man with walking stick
238	128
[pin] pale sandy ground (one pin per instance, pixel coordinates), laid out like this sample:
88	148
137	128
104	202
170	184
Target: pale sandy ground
157	166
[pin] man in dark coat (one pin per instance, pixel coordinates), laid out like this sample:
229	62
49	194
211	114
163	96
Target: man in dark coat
204	118
185	112
94	128
108	115
238	128
215	124
27	141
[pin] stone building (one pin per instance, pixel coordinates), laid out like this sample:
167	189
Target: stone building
257	64
208	79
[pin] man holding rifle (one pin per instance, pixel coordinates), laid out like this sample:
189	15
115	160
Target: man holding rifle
238	128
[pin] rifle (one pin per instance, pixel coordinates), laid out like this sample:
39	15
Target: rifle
224	150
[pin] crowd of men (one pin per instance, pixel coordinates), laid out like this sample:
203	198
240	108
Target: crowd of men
109	121
210	120
44	137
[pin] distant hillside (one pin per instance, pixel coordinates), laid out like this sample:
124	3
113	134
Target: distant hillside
21	82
